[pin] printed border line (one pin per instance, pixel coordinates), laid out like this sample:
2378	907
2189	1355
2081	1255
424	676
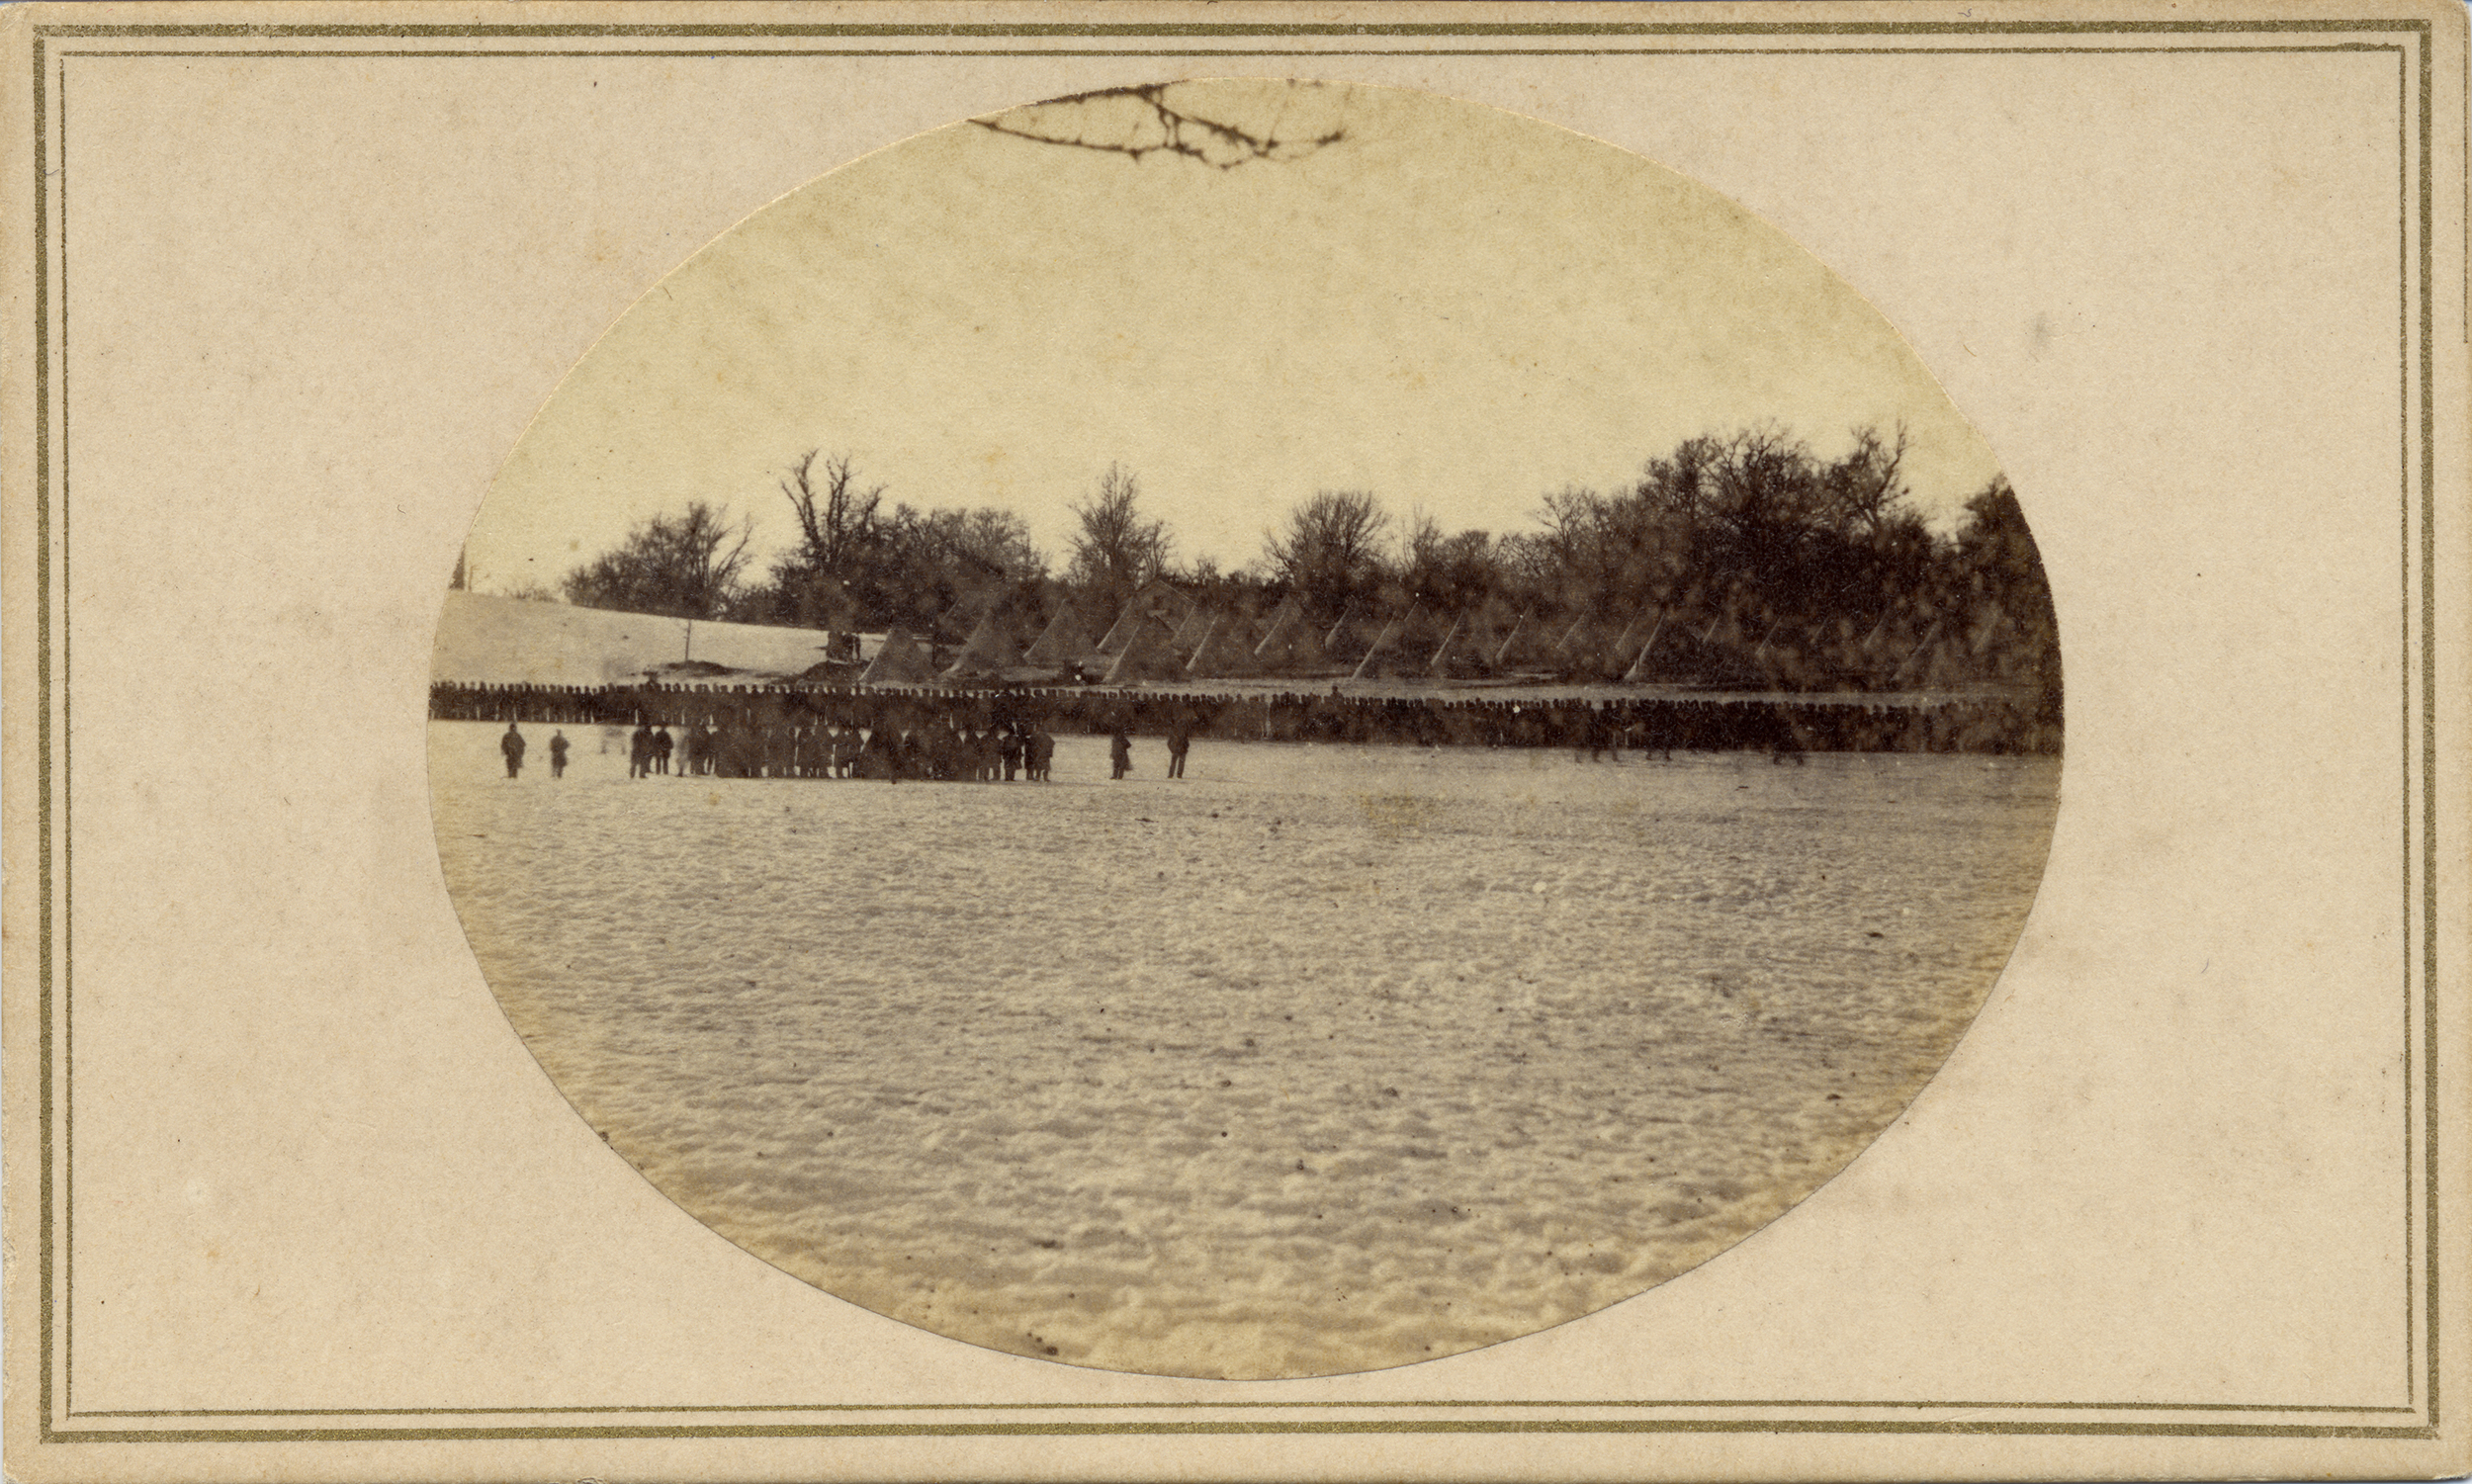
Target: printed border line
68	818
2423	30
2264	49
2403	413
1727	1404
2428	455
1027	30
1247	1429
42	726
2429	712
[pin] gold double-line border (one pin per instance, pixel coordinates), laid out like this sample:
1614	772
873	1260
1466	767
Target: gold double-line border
50	50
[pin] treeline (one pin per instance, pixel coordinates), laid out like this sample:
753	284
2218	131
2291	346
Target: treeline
1736	561
858	565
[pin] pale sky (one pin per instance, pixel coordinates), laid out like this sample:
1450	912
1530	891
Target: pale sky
1455	307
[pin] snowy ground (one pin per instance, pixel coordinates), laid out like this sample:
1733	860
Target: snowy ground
1323	1059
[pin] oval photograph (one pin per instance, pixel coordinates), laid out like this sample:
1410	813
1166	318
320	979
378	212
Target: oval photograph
1244	729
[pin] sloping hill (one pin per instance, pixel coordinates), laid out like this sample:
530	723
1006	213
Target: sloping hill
487	641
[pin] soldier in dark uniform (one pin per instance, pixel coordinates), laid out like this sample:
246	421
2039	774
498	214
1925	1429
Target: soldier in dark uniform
1121	753
512	745
557	754
640	752
662	746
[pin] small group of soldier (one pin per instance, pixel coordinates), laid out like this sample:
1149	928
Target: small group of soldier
648	751
1001	754
512	747
943	751
1120	750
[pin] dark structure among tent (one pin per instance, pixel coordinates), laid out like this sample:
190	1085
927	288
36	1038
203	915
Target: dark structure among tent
1223	649
902	661
1063	642
1292	645
1346	643
1462	655
1521	648
1400	649
988	655
1148	655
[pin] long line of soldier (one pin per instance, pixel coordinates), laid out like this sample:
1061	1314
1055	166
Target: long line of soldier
771	723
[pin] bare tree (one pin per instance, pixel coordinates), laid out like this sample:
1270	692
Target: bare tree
999	539
1446	571
836	520
1139	122
1330	549
1117	551
1860	491
682	566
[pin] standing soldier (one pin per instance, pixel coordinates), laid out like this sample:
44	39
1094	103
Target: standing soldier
1119	752
662	746
1038	751
1179	741
512	745
557	754
640	752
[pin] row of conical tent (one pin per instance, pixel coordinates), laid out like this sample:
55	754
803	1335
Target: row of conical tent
1163	636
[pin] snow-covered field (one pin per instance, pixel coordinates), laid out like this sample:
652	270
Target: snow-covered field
1321	1060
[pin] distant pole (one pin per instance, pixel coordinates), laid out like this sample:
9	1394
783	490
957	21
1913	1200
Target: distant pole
689	655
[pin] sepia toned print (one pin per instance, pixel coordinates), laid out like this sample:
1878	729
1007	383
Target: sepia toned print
1389	765
293	284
